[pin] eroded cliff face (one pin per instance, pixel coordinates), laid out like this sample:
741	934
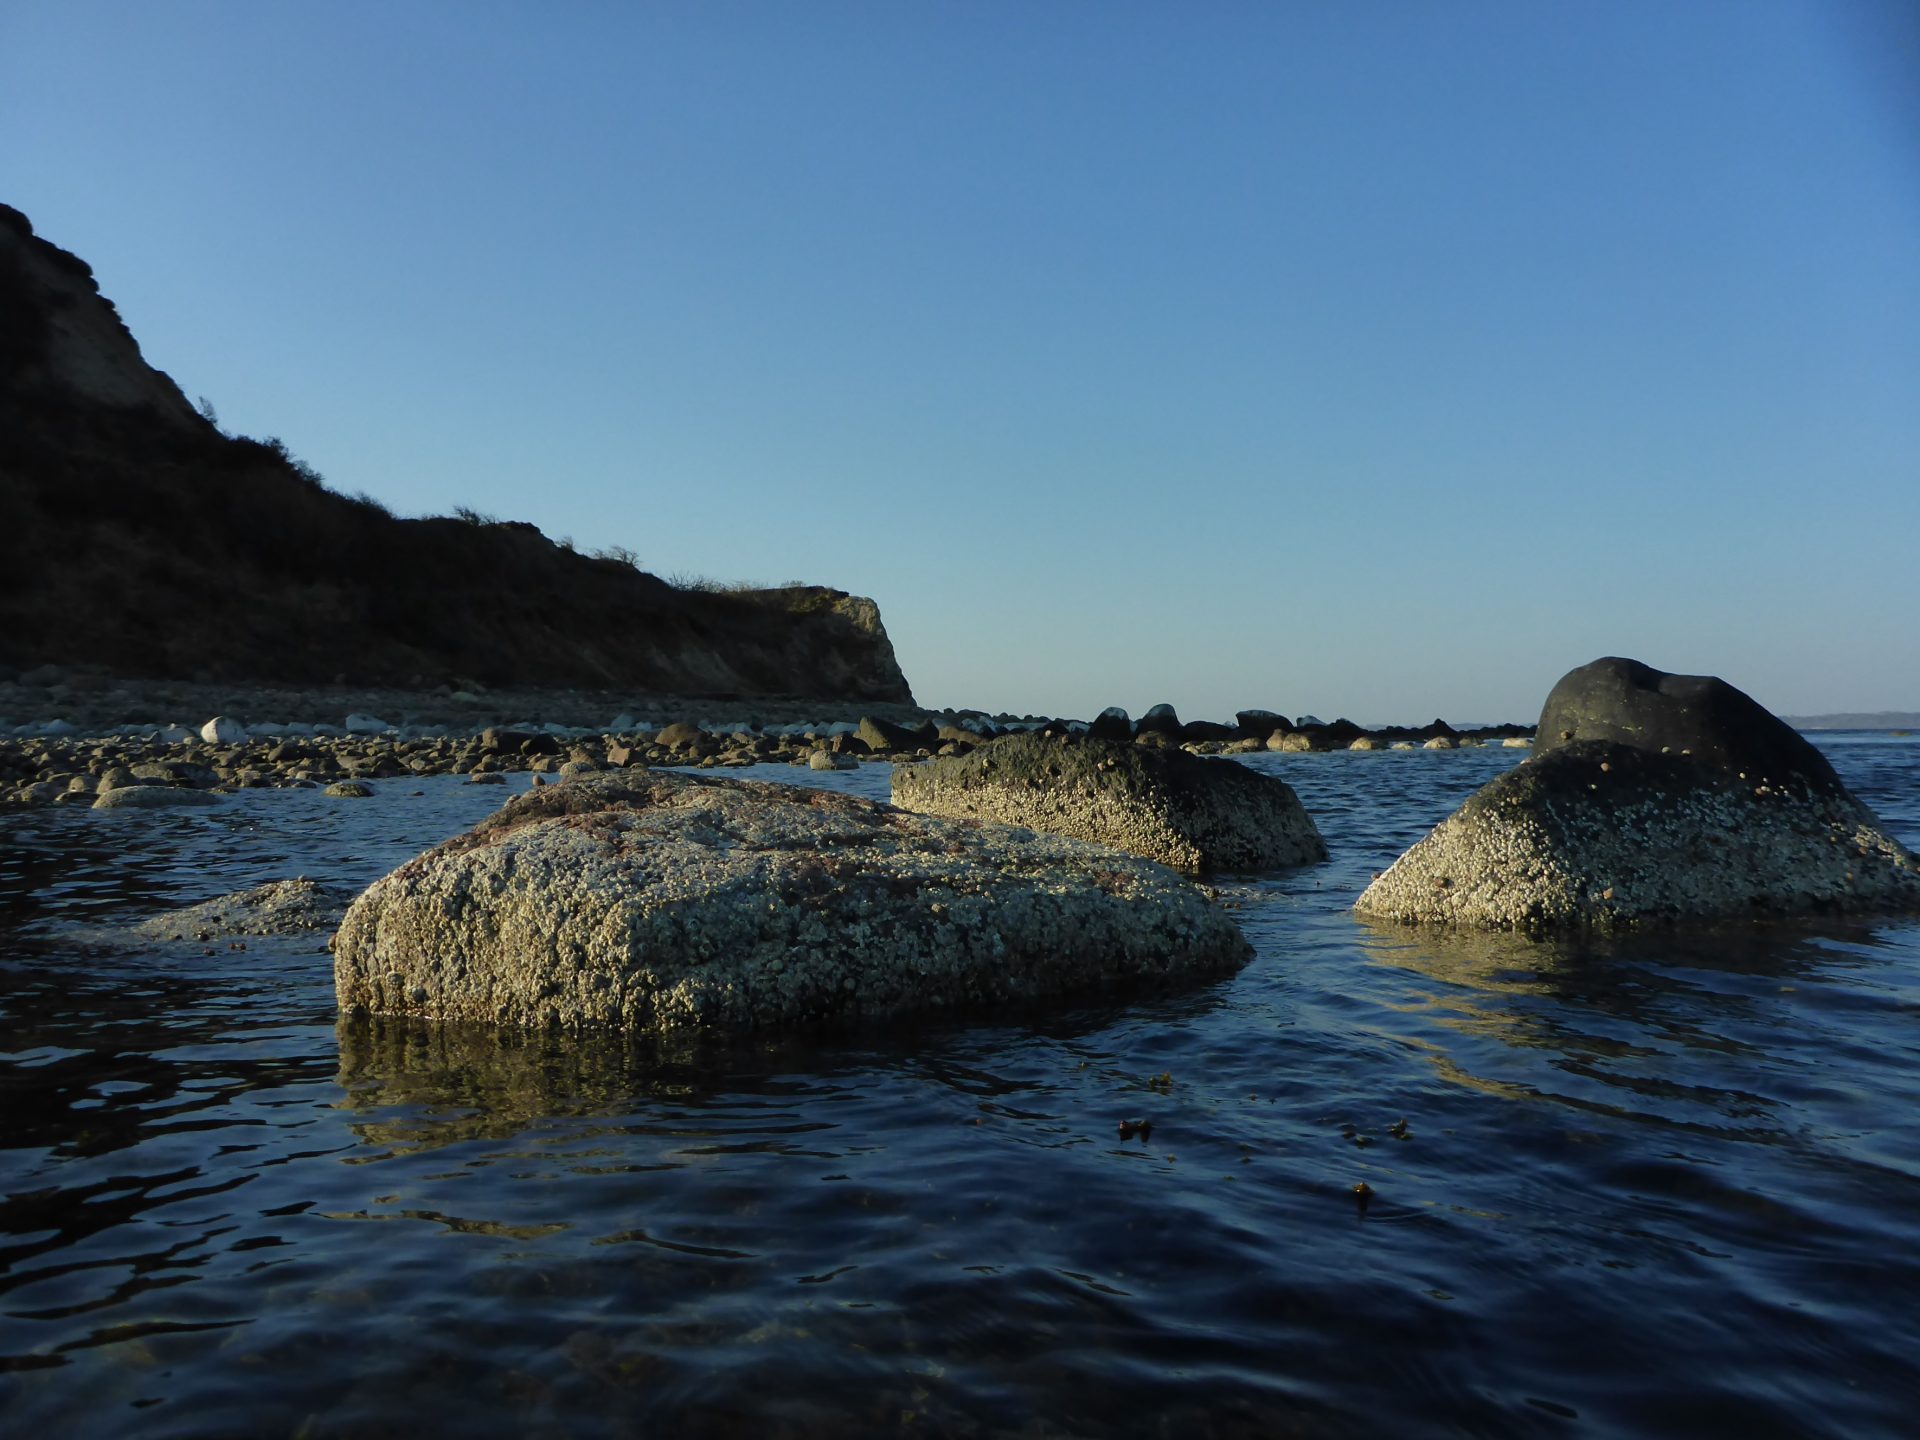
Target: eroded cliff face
137	538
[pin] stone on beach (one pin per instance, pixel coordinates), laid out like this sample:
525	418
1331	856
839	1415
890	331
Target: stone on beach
883	737
1191	813
1162	719
1651	798
1259	724
223	730
681	903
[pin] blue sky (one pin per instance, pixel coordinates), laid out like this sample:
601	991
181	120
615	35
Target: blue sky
1384	360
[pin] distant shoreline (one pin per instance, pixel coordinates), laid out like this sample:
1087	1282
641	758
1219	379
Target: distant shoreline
1871	720
90	702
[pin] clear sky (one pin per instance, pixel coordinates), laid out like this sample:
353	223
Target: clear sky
1374	359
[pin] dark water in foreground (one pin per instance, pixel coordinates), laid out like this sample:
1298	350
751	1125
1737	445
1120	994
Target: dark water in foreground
1666	1188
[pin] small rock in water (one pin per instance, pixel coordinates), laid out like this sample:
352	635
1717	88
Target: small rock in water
280	907
153	797
349	790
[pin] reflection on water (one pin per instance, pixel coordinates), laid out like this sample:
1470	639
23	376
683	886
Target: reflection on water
1661	1185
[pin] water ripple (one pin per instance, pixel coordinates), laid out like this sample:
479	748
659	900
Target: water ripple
1666	1185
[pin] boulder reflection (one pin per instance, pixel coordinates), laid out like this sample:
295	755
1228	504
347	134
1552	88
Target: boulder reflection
431	1083
1691	1026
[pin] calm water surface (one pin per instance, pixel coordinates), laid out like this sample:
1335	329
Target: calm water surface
1664	1188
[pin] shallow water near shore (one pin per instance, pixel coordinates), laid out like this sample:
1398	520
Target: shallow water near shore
1666	1186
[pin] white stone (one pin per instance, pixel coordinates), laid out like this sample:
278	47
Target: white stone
223	730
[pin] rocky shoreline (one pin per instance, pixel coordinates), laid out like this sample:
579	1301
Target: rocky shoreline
100	737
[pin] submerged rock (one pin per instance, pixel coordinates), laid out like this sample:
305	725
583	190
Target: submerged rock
680	903
152	797
1179	809
280	907
1160	720
1651	798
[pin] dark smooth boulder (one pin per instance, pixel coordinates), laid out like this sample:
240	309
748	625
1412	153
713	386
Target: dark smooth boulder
1160	720
1699	716
1258	724
1339	735
1658	799
1112	723
1191	813
883	737
496	741
1199	732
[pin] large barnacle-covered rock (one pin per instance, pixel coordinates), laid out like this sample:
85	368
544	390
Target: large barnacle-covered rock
1651	798
679	903
1191	813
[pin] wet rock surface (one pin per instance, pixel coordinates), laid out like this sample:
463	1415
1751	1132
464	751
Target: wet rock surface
1595	833
1700	717
681	903
280	907
153	797
1190	813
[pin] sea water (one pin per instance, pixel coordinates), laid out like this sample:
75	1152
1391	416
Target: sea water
1662	1187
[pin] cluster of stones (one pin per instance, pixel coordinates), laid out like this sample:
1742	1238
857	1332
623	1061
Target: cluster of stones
61	767
681	903
1256	730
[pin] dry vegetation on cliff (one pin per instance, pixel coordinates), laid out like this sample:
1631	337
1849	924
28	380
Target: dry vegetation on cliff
138	538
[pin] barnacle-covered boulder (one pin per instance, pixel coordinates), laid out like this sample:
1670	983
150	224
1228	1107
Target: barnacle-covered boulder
681	903
1191	813
1651	798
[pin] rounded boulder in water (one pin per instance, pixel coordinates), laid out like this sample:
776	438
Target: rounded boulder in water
681	903
1651	798
1191	813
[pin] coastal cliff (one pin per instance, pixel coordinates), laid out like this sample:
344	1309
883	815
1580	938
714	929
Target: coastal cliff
138	539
